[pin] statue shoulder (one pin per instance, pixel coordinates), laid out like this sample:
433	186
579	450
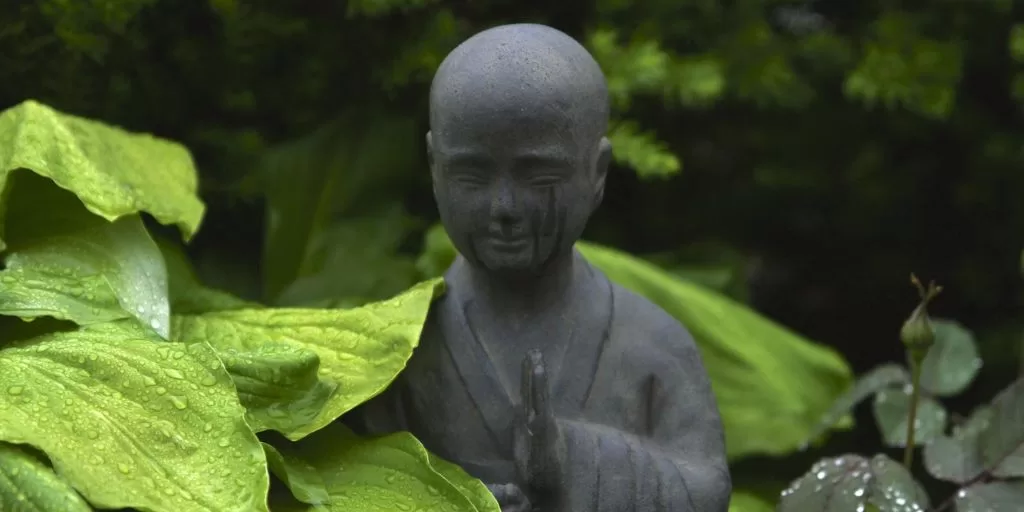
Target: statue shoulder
642	323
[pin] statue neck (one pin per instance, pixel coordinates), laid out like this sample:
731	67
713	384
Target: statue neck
525	293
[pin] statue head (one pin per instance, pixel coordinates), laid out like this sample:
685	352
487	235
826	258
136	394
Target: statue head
517	147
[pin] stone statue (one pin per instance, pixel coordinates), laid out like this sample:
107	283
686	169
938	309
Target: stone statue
536	374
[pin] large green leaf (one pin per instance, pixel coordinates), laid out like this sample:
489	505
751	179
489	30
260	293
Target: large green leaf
27	483
952	362
853	482
314	179
772	386
892	412
131	421
382	474
275	355
110	271
114	172
741	501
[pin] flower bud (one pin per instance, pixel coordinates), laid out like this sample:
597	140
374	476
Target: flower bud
917	333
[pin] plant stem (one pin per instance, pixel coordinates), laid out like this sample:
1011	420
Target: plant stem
915	372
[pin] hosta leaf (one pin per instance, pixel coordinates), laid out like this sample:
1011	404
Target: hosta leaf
278	384
957	458
69	264
106	273
381	474
27	483
853	482
991	497
772	385
134	422
892	409
868	384
360	352
953	362
114	172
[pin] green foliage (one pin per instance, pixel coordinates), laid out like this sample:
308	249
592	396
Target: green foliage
393	472
770	393
982	455
27	479
131	420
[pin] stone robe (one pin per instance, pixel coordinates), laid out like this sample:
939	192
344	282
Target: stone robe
642	430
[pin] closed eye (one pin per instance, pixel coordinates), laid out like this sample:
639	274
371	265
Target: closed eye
546	180
469	178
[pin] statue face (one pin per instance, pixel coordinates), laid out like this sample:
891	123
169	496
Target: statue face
513	185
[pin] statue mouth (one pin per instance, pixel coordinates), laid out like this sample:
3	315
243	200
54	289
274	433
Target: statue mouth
508	244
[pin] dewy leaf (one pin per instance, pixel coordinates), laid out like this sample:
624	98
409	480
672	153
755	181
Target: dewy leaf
133	422
360	352
115	173
852	482
871	382
892	407
991	497
27	483
382	474
952	362
957	458
1002	443
772	385
67	263
992	441
110	271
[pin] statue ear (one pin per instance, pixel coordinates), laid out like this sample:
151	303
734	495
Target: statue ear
430	151
604	159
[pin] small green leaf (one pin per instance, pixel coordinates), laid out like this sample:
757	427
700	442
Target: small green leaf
393	472
990	497
991	442
134	422
360	352
772	385
952	362
852	482
868	384
115	173
956	458
892	407
1002	442
649	157
26	483
107	271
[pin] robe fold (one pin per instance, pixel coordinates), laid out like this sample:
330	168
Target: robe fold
642	431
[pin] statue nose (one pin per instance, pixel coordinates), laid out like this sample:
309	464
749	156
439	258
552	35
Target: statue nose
503	204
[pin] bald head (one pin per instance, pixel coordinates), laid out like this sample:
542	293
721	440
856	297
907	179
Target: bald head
511	70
